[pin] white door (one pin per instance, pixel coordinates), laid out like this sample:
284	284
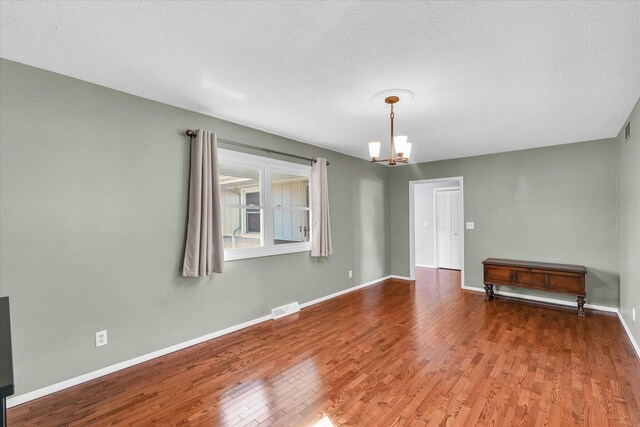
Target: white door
449	228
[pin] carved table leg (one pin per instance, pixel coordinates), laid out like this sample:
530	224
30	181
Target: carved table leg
581	311
488	292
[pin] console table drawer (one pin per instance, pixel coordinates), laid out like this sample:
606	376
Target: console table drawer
530	278
566	283
500	274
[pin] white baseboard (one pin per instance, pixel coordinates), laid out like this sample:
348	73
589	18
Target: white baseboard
35	394
393	276
568	304
631	338
544	299
345	291
426	266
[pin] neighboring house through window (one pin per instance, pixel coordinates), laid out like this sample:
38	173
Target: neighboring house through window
265	205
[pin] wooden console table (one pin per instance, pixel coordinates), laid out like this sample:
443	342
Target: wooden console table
544	276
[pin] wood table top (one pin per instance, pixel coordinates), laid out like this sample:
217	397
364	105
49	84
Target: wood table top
533	264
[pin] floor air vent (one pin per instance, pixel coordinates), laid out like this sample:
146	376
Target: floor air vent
285	310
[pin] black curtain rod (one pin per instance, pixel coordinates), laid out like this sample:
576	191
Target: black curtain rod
192	133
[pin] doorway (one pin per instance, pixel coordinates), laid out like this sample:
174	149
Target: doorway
436	219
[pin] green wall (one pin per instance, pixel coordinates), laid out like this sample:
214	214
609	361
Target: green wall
555	204
93	187
93	196
629	221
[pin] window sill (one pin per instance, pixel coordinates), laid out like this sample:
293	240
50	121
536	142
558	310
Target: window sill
238	254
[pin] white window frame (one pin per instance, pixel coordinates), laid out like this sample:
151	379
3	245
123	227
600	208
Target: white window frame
266	166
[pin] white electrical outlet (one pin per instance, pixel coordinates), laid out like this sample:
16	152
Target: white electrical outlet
470	226
101	338
633	314
350	274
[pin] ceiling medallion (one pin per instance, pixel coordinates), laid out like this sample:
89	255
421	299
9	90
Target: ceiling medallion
406	94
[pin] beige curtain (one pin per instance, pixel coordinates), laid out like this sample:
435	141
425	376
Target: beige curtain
204	253
321	223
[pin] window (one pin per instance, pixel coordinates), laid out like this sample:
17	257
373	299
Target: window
252	219
265	206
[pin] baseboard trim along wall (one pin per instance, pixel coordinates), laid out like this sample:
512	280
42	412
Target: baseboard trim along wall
567	304
631	338
345	291
36	394
544	299
402	278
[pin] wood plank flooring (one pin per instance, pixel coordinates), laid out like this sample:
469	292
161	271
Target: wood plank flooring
393	354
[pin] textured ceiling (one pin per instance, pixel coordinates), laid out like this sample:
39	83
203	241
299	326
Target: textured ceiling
488	77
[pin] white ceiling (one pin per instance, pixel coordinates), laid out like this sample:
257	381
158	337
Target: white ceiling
488	77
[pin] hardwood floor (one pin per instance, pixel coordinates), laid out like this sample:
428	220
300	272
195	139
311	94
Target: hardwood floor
390	355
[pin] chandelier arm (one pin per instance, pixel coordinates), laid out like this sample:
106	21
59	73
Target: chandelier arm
395	160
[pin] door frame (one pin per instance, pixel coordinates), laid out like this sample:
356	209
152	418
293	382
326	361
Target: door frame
412	243
435	223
